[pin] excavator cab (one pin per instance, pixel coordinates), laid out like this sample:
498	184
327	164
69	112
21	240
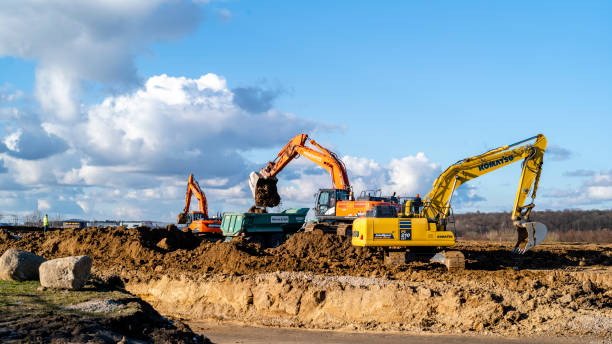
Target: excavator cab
327	199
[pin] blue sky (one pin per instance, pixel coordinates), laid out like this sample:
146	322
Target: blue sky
375	81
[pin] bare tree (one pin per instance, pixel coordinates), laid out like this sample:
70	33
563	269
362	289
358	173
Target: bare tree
33	219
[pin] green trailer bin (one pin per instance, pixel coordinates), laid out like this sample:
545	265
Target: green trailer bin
268	230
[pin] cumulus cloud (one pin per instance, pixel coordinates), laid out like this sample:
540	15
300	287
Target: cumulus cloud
593	191
173	125
29	144
412	174
557	153
579	173
405	176
145	143
87	40
7	94
3	168
255	99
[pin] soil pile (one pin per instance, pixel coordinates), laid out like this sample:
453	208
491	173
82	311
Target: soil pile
171	251
110	245
5	236
326	253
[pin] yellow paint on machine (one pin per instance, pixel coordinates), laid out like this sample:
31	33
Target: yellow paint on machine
399	232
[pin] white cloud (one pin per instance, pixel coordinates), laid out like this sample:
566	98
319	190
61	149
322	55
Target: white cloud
600	192
43	205
412	174
92	40
405	176
7	95
145	143
597	190
176	126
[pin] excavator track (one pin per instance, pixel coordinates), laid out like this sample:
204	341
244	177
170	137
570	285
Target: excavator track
204	236
343	229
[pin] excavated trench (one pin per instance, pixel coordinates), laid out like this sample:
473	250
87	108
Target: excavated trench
318	280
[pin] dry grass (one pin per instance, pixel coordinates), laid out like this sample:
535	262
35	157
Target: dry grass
599	236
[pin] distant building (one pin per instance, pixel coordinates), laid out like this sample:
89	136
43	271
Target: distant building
105	223
74	224
135	224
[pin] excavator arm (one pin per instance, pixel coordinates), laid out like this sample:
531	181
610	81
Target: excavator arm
438	200
263	183
193	189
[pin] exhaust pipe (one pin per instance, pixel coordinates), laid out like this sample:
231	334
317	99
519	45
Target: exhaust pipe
529	235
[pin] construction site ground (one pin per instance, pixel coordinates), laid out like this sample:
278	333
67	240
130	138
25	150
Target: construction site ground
557	292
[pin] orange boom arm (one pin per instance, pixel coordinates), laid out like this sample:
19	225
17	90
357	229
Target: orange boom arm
322	157
193	188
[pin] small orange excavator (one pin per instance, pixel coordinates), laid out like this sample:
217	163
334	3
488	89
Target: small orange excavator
198	221
336	208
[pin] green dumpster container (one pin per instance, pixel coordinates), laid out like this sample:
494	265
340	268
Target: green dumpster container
269	230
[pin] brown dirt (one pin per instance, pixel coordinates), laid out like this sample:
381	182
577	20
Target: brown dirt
319	280
256	210
266	193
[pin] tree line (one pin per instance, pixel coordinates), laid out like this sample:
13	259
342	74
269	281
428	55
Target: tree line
558	221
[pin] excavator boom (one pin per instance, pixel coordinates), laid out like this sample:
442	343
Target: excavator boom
193	189
263	183
438	200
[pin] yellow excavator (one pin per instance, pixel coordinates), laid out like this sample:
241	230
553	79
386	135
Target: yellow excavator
422	225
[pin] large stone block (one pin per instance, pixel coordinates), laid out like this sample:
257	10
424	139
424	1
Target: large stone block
19	265
65	273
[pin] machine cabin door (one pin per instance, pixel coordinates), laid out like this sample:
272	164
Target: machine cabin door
323	201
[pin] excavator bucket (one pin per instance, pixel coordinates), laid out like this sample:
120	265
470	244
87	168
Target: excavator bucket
264	190
529	235
182	218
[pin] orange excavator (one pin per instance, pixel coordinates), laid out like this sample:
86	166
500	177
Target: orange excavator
198	221
335	208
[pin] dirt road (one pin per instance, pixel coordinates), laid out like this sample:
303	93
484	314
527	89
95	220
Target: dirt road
223	333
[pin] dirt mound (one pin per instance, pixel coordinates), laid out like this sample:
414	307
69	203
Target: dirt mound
5	236
171	251
326	253
238	257
108	245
